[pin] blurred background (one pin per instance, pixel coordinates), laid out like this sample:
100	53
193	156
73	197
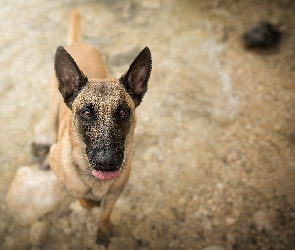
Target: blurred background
214	150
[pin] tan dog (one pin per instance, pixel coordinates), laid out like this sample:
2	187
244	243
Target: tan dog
94	120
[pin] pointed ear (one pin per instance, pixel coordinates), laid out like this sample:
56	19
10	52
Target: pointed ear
70	78
136	78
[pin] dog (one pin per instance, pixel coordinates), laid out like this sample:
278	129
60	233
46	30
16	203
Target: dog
93	119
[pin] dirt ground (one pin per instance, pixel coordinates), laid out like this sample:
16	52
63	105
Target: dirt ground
214	151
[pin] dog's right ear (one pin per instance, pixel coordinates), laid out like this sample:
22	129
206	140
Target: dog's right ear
70	78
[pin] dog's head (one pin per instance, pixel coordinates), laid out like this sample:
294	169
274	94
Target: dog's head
103	109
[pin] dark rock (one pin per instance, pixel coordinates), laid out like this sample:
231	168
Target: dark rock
262	35
40	148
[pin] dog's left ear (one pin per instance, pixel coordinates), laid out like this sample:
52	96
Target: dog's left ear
136	78
70	78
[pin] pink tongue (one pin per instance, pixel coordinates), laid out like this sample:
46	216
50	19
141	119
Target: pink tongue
105	175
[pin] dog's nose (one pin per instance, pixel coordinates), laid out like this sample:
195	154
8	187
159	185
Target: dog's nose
106	160
103	163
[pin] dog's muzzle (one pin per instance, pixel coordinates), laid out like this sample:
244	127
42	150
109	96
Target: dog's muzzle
106	158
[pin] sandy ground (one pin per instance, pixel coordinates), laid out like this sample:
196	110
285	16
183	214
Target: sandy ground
214	153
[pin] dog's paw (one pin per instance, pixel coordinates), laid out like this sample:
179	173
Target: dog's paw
103	237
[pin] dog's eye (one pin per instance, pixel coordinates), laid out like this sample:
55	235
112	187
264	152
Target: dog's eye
123	113
86	112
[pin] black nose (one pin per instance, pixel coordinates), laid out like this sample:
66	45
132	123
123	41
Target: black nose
109	159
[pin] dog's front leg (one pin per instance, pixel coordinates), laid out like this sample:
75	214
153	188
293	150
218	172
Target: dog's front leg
104	225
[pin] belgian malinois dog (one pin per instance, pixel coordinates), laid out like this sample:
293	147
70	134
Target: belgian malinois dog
94	119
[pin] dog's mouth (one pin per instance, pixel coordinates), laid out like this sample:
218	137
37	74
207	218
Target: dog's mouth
106	175
106	163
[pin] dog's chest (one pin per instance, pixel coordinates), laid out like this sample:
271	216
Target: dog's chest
81	186
99	192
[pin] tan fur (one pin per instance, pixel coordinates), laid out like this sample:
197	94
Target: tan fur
67	155
74	33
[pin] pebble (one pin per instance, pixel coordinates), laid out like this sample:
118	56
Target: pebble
151	4
76	207
285	3
262	35
214	247
38	233
262	220
230	221
122	243
230	238
207	224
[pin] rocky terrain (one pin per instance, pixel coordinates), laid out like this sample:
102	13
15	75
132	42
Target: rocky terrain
214	151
